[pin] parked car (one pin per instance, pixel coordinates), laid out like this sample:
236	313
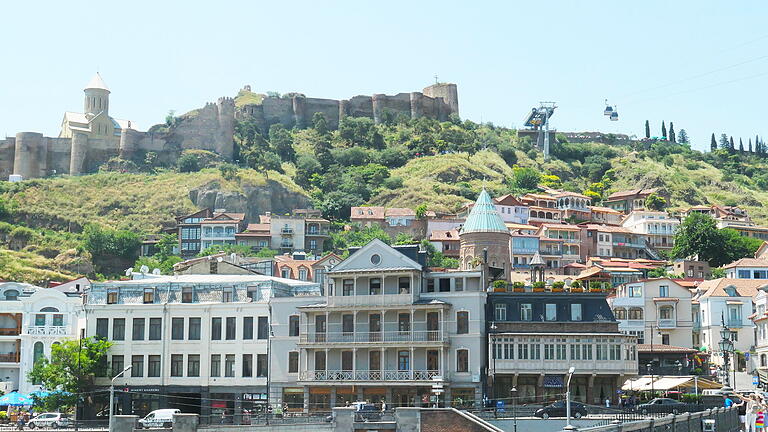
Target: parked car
661	405
162	418
49	420
558	409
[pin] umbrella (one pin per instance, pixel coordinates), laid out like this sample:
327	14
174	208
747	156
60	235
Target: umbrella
15	399
39	393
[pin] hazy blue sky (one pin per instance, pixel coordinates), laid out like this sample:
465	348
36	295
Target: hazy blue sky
701	64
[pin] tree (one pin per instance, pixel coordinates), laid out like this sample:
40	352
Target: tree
281	142
655	202
684	137
741	146
214	249
319	123
421	211
188	163
526	179
723	143
647	129
698	236
71	370
663	130
358	236
228	171
750	145
672	132
106	242
436	258
713	144
731	145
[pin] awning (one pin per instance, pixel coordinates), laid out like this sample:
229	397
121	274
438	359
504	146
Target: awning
636	384
664	383
667	383
762	375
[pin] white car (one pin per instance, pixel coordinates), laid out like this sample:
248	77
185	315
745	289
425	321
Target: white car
49	420
162	418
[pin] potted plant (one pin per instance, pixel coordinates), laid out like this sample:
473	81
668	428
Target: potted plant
518	286
558	286
576	286
499	286
539	286
595	286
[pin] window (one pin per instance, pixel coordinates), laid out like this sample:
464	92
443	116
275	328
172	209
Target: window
293	325
348	323
560	351
549	351
302	274
663	291
404	285
261	365
666	312
215	365
526	312
319	360
117	364
635	291
444	285
374	285
153	366
14	295
403	361
177	328
187	294
231	328
247	328
430	285
285	273
635	314
375	259
247	365
155	328
177	365
348	287
550	312
118	329
500	312
194	329
404	322
137	363
102	328
346	360
293	362
620	314
37	352
227	295
193	365
39	320
462	322
576	312
665	339
263	328
462	360
111	296
459	284
229	365
216	328
58	320
149	295
138	329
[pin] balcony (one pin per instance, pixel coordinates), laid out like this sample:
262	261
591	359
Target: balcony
286	231
13	331
416	336
667	323
286	245
372	300
552	252
628	244
523	251
625	301
47	331
343	376
559	366
317	232
734	323
10	357
696	326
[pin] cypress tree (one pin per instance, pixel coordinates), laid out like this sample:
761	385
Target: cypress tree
713	144
750	145
672	132
663	130
647	129
741	146
731	146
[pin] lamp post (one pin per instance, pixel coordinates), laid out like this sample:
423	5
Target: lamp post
493	357
568	426
112	394
649	367
513	395
726	347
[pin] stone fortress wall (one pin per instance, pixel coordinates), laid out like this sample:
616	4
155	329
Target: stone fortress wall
212	127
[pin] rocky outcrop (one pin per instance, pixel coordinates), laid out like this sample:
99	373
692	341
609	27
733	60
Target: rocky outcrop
253	200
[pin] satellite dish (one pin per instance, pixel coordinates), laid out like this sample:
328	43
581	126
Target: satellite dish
156	271
128	271
144	269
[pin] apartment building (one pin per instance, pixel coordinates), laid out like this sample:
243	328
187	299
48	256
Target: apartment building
570	237
200	343
629	200
542	209
388	328
524	247
575	206
446	241
692	269
760	321
657	227
605	215
190	231
534	338
393	220
747	268
220	229
32	320
304	230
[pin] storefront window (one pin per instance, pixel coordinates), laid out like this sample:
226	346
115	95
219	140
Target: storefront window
463	398
319	399
294	397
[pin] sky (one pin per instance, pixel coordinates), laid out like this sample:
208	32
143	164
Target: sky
700	64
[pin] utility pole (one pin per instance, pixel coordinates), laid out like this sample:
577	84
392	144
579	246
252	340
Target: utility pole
112	396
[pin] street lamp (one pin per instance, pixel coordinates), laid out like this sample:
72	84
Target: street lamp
513	395
650	372
493	356
568	425
112	395
726	347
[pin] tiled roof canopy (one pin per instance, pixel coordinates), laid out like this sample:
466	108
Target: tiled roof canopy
484	217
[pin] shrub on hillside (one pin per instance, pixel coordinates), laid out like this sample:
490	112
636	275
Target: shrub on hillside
188	163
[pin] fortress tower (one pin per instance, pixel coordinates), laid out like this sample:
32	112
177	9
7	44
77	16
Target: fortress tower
485	241
96	97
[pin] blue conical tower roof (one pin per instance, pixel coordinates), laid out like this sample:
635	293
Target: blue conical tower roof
484	217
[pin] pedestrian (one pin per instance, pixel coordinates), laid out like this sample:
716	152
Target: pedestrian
728	402
223	416
753	407
607	402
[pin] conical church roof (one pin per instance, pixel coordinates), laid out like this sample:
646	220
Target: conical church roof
97	83
484	217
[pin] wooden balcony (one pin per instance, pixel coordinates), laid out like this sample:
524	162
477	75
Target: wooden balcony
10	357
12	331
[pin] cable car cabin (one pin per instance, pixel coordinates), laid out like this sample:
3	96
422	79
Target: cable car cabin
614	116
608	110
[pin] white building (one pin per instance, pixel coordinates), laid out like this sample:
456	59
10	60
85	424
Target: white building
747	268
658	227
32	320
200	343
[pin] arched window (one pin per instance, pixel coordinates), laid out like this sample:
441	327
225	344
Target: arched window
620	313
37	352
49	309
635	314
763	360
11	295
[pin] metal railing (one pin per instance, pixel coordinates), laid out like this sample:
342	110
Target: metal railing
375	337
48	330
667	323
286	230
369	375
372	300
10	357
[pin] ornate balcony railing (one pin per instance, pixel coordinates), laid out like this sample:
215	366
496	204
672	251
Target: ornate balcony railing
369	375
375	337
667	323
48	330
